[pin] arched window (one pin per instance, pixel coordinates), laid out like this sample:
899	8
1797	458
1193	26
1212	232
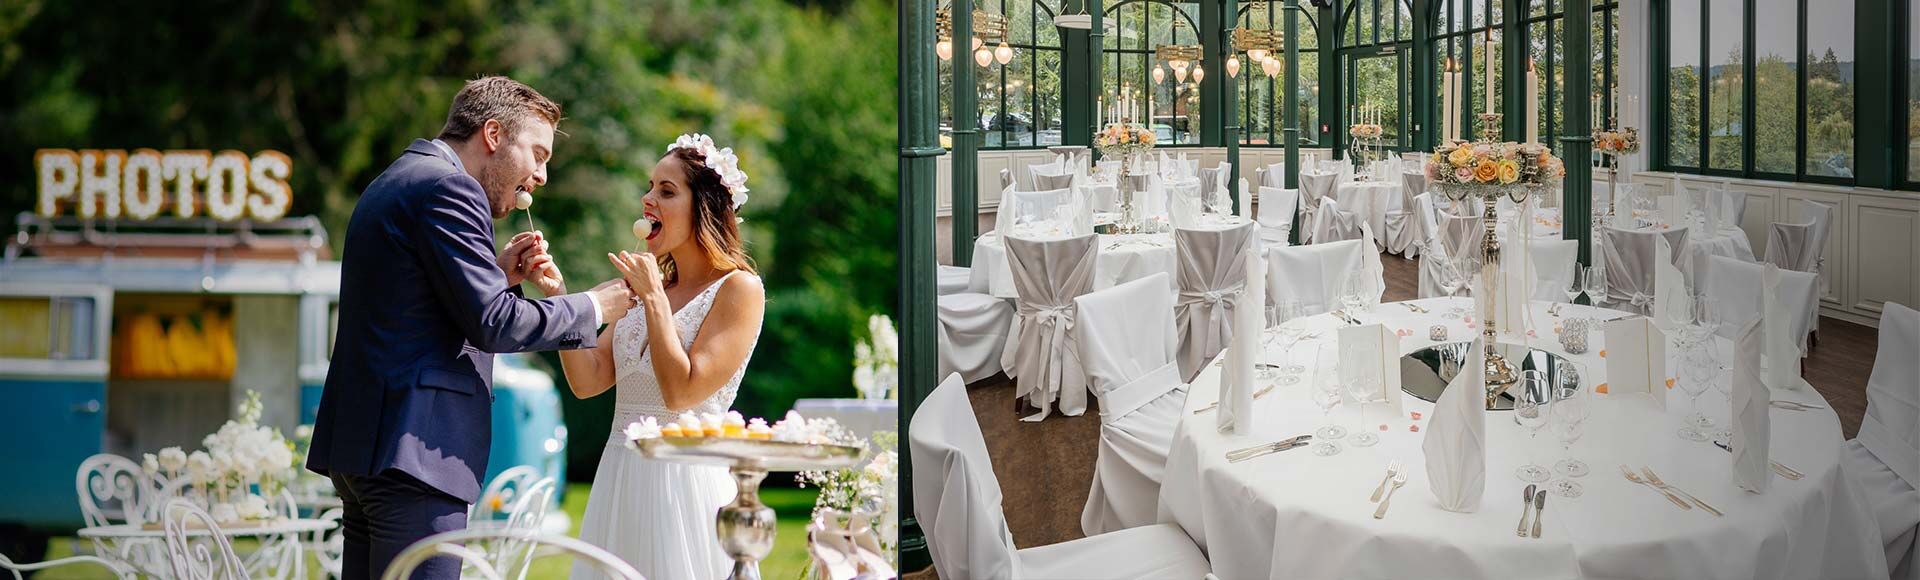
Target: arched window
1019	102
1546	26
1262	100
1172	106
1465	32
1376	48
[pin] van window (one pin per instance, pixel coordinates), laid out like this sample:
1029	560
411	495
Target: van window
56	328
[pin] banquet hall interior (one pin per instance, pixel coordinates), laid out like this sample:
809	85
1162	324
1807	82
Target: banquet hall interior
1150	247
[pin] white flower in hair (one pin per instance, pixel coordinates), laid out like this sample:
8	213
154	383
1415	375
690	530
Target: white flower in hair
721	161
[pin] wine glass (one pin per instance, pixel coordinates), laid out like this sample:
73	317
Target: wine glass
1574	285
1326	395
1364	389
1595	283
1530	407
1694	380
1353	295
1569	414
1450	281
1293	314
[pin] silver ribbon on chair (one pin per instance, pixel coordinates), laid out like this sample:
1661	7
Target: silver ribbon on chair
1219	303
1052	369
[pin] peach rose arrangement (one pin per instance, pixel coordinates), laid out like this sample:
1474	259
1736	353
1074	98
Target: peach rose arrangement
1623	142
1484	163
1120	140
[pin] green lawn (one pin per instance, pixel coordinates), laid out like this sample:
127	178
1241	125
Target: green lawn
789	555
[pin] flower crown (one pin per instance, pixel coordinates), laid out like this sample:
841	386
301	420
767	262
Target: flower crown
721	161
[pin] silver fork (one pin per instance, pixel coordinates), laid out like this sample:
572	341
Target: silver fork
1216	404
1398	481
1655	479
1635	477
1393	469
1265	446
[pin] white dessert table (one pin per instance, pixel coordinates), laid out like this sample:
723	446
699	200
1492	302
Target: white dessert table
1298	515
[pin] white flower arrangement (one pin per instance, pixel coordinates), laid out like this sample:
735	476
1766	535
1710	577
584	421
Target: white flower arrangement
876	360
241	466
872	488
720	160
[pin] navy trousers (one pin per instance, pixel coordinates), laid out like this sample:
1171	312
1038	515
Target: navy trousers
386	513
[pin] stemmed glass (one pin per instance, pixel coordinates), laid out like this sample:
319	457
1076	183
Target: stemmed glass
1292	326
1530	407
1695	376
1568	415
1326	395
1353	295
1595	283
1574	285
1455	274
1364	389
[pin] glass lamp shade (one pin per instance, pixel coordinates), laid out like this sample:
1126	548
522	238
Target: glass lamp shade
1233	66
1180	73
1271	66
983	57
944	48
1159	75
1003	54
977	43
1199	73
1257	55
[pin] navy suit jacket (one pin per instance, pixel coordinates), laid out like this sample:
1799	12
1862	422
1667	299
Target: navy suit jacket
422	307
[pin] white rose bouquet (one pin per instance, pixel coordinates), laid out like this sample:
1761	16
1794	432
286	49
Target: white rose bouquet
876	360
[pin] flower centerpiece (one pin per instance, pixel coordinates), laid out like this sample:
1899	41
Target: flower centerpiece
1488	171
1366	131
244	463
1124	141
1611	144
876	360
870	490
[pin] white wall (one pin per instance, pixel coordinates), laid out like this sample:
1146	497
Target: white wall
1873	250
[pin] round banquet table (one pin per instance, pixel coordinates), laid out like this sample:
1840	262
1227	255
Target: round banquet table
1368	200
1298	515
1729	241
1120	258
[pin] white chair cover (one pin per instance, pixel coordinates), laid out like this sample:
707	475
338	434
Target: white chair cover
972	330
1127	342
1404	232
1185	202
1047	276
1732	205
1313	274
1274	175
957	503
1046	182
1884	459
1006	178
1103	197
1735	286
1628	256
1450	235
1553	263
952	279
1275	215
1213	188
1332	224
1314	187
1212	268
1051	208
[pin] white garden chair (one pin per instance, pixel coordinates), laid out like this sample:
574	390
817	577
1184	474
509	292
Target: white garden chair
118	570
459	543
196	548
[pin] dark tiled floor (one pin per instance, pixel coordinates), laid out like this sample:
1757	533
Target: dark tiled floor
1045	468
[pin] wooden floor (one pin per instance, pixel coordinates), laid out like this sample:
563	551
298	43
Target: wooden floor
1045	468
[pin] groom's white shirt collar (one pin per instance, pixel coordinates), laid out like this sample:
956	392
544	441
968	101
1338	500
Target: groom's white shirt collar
455	157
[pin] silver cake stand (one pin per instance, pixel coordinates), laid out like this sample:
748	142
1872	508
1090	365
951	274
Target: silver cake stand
745	527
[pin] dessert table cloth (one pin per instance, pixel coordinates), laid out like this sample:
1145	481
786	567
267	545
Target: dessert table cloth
1298	515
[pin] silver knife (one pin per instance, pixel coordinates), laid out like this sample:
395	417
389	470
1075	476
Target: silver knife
1539	510
1268	451
1262	446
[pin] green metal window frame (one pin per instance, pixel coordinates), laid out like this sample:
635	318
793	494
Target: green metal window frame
1661	68
1455	37
1354	48
1251	77
1031	49
1552	21
1111	57
1909	90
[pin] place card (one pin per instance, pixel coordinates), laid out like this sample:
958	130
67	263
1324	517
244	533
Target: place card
1372	353
1637	359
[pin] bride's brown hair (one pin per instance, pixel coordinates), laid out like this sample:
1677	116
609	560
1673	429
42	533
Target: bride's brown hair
714	226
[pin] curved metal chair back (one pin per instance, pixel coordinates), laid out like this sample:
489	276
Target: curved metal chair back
503	493
196	548
455	544
119	570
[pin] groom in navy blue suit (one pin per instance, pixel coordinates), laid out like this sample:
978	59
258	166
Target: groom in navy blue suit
404	423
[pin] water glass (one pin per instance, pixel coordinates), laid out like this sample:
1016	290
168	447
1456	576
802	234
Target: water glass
1595	283
1531	405
1365	389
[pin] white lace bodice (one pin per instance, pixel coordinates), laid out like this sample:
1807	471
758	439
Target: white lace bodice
637	390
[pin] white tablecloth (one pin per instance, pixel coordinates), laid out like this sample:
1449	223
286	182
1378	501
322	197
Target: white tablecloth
861	416
1298	515
1367	199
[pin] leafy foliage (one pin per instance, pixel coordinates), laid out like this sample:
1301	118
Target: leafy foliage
803	90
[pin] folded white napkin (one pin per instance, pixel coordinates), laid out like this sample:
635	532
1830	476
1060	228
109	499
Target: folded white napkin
1669	285
1456	442
1750	400
1372	353
1243	350
846	553
1781	350
1636	353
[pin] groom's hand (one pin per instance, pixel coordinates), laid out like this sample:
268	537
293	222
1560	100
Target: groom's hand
517	258
614	299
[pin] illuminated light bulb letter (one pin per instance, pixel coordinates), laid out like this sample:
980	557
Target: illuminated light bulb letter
142	187
183	168
227	186
59	177
271	196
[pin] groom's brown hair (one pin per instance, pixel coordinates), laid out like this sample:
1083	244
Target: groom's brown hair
501	99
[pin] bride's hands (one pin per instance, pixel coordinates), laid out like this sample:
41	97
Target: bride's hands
642	273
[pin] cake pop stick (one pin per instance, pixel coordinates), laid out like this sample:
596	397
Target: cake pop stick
642	228
524	201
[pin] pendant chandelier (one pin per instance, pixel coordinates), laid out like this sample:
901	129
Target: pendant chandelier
1261	47
987	28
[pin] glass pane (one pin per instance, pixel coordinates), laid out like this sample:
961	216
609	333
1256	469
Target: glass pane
73	328
1047	102
1045	33
1538	43
1377	94
1775	84
1683	84
1726	82
1913	93
1485	96
1307	103
27	321
1830	89
1018	124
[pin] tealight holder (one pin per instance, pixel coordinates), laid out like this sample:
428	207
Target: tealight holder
1573	335
1438	333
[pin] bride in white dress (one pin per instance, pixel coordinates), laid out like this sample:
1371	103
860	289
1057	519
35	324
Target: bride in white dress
683	349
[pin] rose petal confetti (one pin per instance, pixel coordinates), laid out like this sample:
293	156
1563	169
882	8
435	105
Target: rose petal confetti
1601	388
1383	426
1416	415
1603	353
1413	428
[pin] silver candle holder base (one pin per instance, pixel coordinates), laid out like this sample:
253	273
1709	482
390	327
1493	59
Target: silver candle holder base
746	527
